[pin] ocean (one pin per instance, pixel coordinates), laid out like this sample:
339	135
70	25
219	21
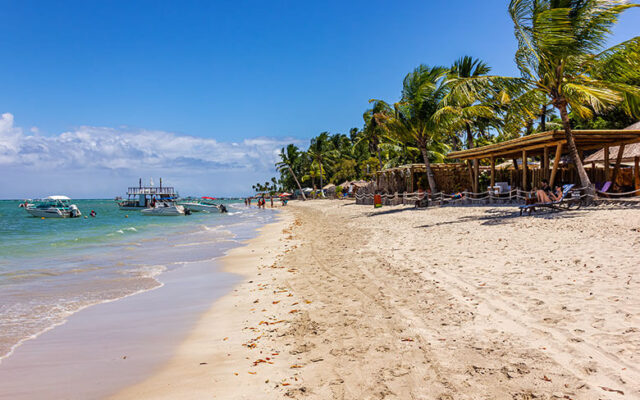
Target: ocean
50	269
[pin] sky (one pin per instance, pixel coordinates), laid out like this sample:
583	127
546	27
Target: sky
94	95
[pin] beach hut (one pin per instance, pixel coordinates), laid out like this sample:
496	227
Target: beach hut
449	178
329	189
542	145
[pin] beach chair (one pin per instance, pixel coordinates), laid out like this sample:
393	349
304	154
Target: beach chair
602	190
566	203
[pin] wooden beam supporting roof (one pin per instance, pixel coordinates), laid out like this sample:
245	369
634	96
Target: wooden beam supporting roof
618	161
606	163
556	162
524	169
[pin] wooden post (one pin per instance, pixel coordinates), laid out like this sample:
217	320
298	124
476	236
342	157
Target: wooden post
515	163
470	174
476	175
493	172
524	170
606	163
618	161
636	174
411	179
545	163
556	162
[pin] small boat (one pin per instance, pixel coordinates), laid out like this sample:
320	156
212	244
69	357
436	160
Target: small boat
199	205
164	208
53	207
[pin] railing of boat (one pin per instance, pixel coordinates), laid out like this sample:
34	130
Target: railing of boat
151	190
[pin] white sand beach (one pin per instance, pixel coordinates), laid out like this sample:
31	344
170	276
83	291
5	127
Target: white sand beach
343	301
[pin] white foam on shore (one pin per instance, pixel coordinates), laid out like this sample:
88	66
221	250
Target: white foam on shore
70	313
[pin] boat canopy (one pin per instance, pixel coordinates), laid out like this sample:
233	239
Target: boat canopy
58	197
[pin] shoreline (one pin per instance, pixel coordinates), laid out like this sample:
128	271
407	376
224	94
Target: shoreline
114	344
213	359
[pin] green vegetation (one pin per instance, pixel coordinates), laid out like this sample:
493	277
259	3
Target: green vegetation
564	67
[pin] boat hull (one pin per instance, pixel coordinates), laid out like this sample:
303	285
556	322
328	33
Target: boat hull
48	213
194	207
163	211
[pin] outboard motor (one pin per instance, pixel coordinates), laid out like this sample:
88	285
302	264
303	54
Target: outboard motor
75	212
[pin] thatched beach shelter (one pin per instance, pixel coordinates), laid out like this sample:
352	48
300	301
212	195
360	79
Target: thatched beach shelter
543	145
329	189
630	152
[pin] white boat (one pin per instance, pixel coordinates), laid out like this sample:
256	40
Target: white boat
53	207
195	206
198	205
141	197
164	208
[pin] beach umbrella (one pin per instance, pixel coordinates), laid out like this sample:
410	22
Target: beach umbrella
285	194
209	198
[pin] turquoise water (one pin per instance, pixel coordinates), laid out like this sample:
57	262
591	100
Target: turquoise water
52	268
24	235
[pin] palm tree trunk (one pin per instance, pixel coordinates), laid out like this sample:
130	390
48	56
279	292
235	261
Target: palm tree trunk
573	150
295	178
529	127
469	137
430	178
379	157
455	143
321	180
543	118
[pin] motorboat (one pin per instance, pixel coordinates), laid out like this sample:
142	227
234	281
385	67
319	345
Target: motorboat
140	197
164	208
199	205
53	207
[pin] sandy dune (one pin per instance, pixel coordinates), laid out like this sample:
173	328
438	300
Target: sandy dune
442	303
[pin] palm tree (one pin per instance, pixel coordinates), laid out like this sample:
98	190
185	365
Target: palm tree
422	92
322	153
563	62
289	159
467	108
376	127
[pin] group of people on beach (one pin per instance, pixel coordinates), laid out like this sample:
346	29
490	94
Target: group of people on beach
262	201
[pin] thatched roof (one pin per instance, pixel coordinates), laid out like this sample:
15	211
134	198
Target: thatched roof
509	164
587	139
329	186
359	183
631	151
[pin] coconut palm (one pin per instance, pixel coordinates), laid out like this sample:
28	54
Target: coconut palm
376	127
322	153
289	159
465	109
422	92
563	62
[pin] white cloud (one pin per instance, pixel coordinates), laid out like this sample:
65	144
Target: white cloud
114	148
122	151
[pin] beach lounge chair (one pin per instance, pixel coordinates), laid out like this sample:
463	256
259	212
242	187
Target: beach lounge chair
604	188
565	203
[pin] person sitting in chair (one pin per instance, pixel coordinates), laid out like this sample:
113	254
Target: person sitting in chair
557	194
543	195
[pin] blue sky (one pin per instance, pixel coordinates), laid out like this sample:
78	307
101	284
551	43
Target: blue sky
243	75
